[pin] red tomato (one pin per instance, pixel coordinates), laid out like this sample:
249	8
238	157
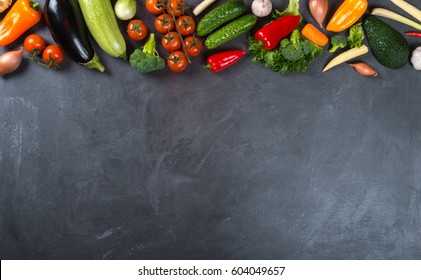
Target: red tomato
34	44
137	30
177	6
177	61
186	25
53	56
193	46
155	7
171	41
164	23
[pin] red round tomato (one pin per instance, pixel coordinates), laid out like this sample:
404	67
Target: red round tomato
137	30
186	25
34	44
193	46
53	56
155	7
177	61
164	23
171	41
177	6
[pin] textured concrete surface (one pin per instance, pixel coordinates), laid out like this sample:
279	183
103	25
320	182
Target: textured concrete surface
242	164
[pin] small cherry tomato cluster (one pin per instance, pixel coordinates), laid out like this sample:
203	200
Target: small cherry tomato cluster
174	25
52	55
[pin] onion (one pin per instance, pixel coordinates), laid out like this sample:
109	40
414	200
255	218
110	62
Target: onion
4	5
364	69
318	9
125	9
10	61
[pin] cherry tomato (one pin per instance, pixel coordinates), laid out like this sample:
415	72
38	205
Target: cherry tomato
53	56
155	7
193	46
34	44
177	61
177	6
137	30
171	41
164	23
186	25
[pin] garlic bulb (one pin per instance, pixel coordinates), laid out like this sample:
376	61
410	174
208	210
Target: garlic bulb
4	4
416	58
261	8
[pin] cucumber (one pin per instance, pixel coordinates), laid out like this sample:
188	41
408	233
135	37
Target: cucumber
102	23
230	31
388	46
220	15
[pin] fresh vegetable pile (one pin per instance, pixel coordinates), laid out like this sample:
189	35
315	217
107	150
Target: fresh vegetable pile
272	46
286	43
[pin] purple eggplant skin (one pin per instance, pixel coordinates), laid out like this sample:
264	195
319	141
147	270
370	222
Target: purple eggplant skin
68	28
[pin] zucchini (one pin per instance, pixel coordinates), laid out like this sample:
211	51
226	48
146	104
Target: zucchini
220	15
66	24
102	23
230	31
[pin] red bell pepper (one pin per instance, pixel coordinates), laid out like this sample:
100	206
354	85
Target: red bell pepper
222	60
416	34
272	33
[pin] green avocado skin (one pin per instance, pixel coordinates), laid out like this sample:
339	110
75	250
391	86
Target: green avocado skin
388	46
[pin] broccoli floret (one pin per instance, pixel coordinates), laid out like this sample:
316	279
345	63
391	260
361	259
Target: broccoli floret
337	42
292	51
147	59
356	36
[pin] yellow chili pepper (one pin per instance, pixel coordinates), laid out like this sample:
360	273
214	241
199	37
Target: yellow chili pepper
347	14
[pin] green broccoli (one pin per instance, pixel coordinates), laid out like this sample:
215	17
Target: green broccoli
356	36
338	41
292	49
147	59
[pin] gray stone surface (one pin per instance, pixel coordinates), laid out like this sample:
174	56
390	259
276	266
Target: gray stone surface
242	164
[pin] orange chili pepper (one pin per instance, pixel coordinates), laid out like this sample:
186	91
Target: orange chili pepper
23	15
347	14
314	35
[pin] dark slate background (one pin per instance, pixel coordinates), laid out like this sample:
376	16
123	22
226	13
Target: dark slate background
242	164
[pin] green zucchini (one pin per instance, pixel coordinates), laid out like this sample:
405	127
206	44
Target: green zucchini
230	31
102	23
220	15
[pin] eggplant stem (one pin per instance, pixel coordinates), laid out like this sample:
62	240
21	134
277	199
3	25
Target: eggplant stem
95	64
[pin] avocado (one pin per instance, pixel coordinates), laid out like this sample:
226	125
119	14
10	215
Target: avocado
388	46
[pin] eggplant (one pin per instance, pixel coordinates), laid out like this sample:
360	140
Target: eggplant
68	28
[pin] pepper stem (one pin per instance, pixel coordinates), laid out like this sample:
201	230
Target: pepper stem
34	5
207	66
